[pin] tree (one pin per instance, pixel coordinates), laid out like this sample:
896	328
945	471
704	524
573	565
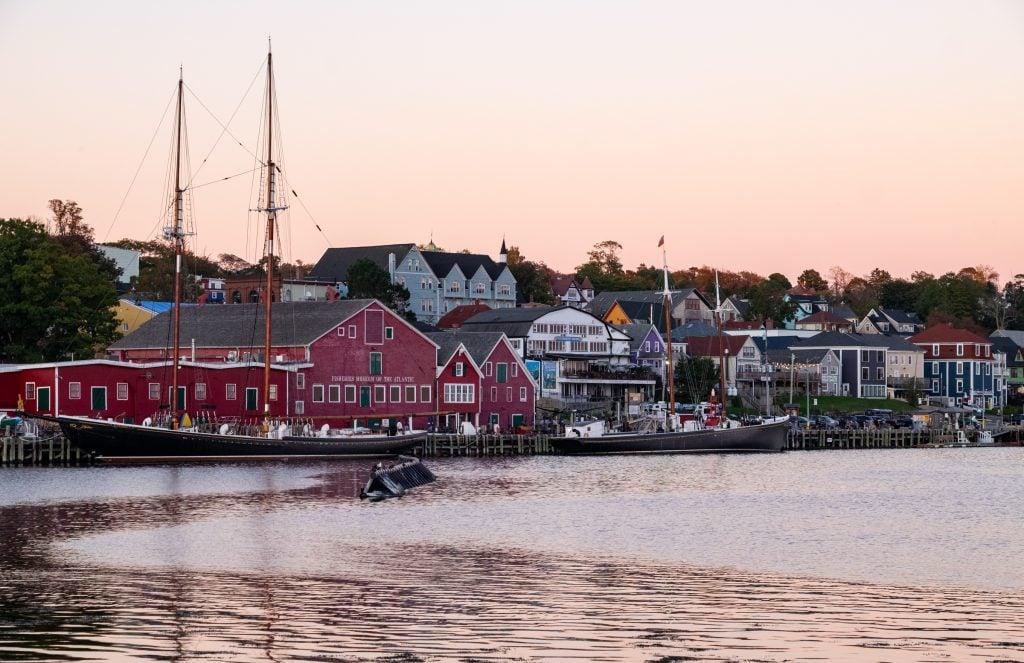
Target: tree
768	300
811	281
52	306
695	377
840	279
67	218
368	280
1013	293
606	256
533	279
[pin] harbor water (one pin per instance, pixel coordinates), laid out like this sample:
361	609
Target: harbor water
872	555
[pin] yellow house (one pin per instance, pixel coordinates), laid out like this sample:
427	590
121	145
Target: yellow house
617	316
130	315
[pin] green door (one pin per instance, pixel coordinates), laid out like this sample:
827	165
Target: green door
517	420
364	397
43	399
502	373
182	405
252	399
99	398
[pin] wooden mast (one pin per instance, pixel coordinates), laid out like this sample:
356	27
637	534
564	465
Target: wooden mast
722	366
271	210
176	235
671	369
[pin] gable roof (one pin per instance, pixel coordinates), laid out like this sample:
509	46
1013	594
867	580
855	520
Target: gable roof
782	342
782	356
243	325
947	333
479	345
442	262
742	306
1012	334
456	317
637	332
334	264
603	301
713	346
561	284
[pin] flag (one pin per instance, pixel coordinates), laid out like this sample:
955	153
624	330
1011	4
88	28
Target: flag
661	242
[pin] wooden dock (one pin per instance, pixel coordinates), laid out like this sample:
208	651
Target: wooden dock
440	446
51	451
885	438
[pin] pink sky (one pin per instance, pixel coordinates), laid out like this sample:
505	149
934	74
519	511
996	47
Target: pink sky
765	136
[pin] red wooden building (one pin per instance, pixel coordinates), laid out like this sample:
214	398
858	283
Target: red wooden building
481	379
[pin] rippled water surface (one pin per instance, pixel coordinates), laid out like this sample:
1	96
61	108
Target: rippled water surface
899	555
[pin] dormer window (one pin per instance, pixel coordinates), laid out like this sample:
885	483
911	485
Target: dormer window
959	349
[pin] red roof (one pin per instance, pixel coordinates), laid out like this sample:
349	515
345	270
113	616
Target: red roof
711	346
454	318
745	324
947	333
560	285
825	317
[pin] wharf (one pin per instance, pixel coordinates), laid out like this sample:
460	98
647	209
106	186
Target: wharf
52	450
56	450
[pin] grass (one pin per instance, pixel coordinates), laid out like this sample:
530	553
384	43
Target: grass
851	405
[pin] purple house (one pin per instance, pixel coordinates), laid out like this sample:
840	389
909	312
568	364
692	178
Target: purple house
646	346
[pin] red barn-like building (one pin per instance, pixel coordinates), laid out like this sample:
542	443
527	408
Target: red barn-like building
330	361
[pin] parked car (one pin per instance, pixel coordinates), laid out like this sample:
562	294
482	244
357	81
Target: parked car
902	421
824	421
798	422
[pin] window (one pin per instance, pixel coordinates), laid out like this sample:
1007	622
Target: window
334	393
252	402
478	288
977	349
230	392
410	393
502	373
459	393
272	393
959	368
200	391
300	407
515	370
864	373
122	391
935	349
425	394
364	396
935	368
522	394
318	393
508	394
376	361
380	393
935	386
505	289
455	287
647	346
396	393
494	394
880	356
351	331
865	355
300	380
959	386
959	349
154	391
881	374
75	390
350	393
341	331
460	369
389	333
488	369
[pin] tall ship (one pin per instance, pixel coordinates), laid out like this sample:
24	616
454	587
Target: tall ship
172	433
702	428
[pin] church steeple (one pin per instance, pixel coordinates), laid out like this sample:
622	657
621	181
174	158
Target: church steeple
503	253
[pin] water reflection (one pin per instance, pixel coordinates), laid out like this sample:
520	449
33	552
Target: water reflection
532	560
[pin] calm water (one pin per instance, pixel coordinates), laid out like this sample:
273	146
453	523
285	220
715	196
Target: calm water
897	555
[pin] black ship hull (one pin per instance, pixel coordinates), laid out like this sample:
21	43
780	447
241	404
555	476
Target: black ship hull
113	440
745	439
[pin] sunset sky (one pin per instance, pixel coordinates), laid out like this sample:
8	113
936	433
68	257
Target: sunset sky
755	135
